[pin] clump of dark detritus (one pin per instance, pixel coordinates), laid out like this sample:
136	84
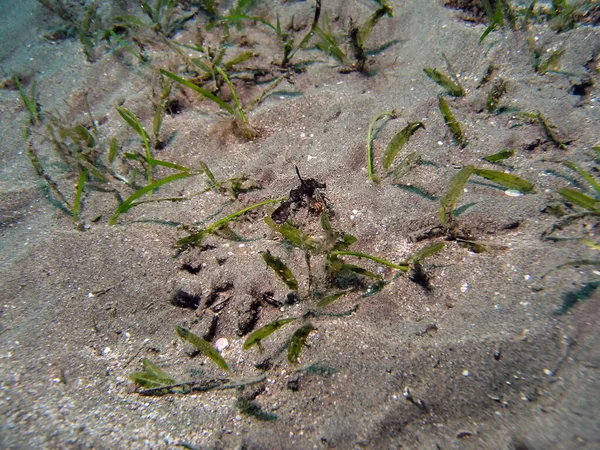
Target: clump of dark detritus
584	87
191	268
303	195
293	384
183	299
265	364
472	10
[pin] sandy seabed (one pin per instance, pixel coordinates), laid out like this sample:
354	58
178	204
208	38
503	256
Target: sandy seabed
479	359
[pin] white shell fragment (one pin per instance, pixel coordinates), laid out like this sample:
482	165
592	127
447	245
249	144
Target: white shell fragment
513	193
221	344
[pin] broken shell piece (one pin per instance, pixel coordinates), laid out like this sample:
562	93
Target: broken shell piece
513	193
221	344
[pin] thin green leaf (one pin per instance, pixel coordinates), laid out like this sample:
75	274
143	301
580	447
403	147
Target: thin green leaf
129	202
496	17
29	102
589	243
208	173
113	150
152	376
209	95
584	174
281	270
499	156
149	11
158	162
77	202
451	122
426	252
326	223
32	101
326	25
128	21
137	126
148	380
398	142
348	240
84	33
506	179
203	346
144	59
487	31
445	81
473	246
289	53
367	28
326	301
580	199
198	62
263	332
242	57
292	234
455	189
155	370
84	135
170	165
548	128
329	44
403	267
393	114
216	60
233	94
159	115
196	238
70	133
298	341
